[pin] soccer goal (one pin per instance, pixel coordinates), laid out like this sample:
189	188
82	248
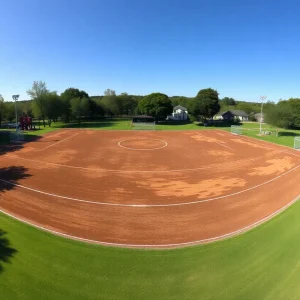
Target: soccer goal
297	143
236	129
143	123
16	136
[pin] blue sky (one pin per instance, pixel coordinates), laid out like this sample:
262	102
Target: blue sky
243	49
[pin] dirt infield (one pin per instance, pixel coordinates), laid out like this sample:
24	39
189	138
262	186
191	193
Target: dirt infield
147	189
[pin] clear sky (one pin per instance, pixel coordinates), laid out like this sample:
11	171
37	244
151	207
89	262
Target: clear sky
242	48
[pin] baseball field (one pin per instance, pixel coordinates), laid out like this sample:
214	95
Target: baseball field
149	215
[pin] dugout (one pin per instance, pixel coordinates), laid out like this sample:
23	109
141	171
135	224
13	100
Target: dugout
143	122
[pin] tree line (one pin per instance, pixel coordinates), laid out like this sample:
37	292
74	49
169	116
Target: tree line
74	104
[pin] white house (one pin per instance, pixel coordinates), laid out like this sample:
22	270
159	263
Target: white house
179	113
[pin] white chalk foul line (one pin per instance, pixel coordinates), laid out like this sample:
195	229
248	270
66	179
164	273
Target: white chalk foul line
202	241
150	205
54	144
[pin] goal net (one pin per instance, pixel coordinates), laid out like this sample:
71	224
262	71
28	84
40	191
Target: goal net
143	123
236	129
297	143
16	136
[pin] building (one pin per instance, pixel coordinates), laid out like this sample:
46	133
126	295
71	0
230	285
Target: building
230	115
180	113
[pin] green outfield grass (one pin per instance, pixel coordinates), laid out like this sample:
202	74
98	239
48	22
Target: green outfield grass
260	264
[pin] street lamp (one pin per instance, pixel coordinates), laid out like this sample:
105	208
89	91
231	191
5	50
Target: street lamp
262	98
16	97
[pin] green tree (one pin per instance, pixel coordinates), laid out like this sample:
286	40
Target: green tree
227	101
111	105
2	107
66	98
205	105
248	107
180	100
8	112
126	103
53	107
279	116
38	93
79	108
294	103
156	105
109	92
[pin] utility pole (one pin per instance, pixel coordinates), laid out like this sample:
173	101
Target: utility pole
16	97
262	98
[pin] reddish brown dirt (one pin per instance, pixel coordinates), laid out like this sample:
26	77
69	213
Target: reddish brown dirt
166	187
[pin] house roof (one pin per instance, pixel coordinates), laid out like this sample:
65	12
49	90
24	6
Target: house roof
180	107
143	116
238	113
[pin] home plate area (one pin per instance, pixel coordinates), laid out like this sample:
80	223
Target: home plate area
147	189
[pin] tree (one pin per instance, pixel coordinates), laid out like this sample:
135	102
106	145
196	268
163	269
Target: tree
38	93
126	103
206	104
2	107
53	107
39	88
294	103
248	107
180	100
109	92
156	105
279	116
66	98
8	112
79	107
228	101
111	105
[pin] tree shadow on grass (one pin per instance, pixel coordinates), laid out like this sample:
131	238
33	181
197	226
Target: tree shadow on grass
6	250
288	133
220	124
8	178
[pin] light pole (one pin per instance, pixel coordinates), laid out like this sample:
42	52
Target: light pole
16	97
262	98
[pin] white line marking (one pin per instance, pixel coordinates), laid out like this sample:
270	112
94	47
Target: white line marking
225	146
138	149
259	140
150	205
202	241
54	144
219	143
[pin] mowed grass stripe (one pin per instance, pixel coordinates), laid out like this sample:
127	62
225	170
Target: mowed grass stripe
263	263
